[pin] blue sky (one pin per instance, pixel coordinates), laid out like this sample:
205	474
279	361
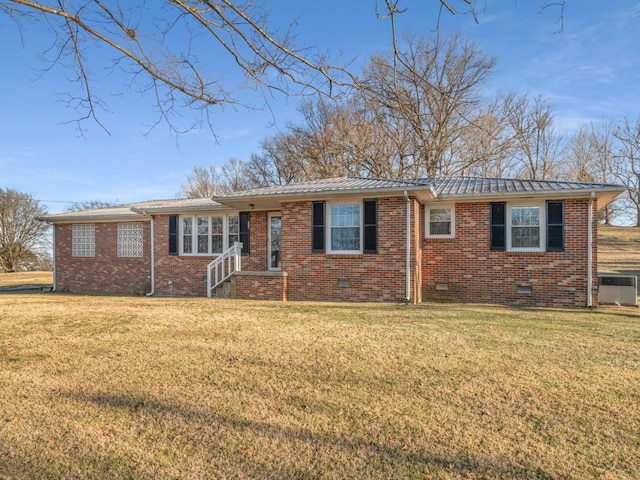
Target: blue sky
590	72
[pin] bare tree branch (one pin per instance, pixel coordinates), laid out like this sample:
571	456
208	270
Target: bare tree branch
151	49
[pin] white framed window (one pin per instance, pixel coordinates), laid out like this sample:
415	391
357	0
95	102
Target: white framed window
208	234
345	227
233	227
187	235
83	240
440	221
203	242
525	227
217	234
130	239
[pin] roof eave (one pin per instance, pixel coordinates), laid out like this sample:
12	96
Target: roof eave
90	218
172	210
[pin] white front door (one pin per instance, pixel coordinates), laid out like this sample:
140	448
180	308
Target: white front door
273	248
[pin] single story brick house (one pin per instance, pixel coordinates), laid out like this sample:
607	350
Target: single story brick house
465	239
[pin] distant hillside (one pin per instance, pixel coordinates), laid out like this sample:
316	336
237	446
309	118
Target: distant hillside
619	250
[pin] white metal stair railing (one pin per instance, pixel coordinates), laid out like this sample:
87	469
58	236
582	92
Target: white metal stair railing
223	267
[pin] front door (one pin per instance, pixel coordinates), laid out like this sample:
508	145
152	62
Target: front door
275	225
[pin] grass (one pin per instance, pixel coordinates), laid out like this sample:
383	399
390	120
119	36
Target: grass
26	280
152	388
142	388
619	250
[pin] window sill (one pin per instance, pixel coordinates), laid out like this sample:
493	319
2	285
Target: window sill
439	239
345	255
536	253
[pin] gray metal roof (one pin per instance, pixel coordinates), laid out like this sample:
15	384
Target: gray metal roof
269	198
461	187
339	184
136	210
425	189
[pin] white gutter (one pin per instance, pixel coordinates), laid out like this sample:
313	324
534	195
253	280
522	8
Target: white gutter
590	252
408	267
153	263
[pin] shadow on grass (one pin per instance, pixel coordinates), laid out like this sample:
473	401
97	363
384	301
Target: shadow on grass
376	457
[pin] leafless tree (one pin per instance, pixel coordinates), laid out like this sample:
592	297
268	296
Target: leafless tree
206	182
590	159
22	236
627	164
539	147
279	162
146	41
236	176
202	182
488	142
166	48
429	94
90	205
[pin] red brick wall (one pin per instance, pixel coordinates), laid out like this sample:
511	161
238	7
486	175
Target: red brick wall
188	274
471	270
261	285
256	260
106	272
474	273
177	275
367	277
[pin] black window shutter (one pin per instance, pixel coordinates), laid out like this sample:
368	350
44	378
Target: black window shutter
317	222
555	226
498	226
173	234
244	231
370	226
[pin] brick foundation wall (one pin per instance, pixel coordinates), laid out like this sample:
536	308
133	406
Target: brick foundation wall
105	273
367	277
261	285
474	273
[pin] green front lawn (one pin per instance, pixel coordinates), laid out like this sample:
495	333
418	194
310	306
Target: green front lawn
153	388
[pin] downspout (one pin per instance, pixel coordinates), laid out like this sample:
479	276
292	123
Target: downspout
153	263
54	257
590	252
408	267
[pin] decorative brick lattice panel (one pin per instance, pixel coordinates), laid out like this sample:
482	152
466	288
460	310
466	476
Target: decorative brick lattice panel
83	240
130	239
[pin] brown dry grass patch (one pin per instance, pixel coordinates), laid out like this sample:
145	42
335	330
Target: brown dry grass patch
619	250
142	388
37	279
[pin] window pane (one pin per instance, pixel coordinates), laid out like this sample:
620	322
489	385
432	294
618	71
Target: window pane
345	238
203	234
440	214
440	221
234	230
187	226
345	215
217	234
217	225
440	228
525	237
83	240
525	227
187	235
130	239
345	227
